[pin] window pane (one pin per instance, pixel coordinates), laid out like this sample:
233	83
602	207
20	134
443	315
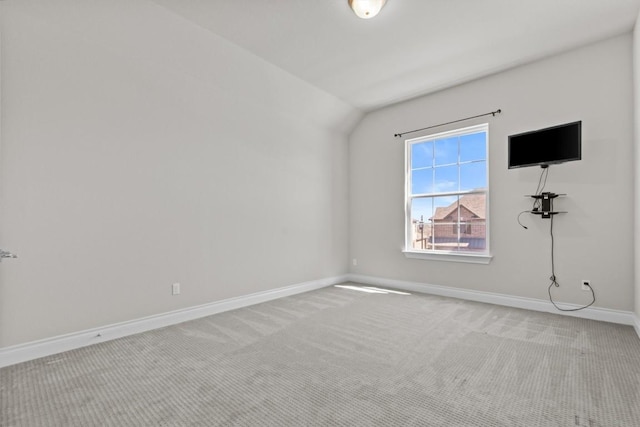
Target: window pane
473	214
446	179
446	151
444	218
422	155
422	209
473	176
422	181
473	147
421	212
475	238
445	208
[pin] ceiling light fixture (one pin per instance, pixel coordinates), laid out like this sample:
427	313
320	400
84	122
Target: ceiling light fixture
366	9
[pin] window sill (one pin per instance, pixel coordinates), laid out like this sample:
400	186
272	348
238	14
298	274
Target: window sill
449	256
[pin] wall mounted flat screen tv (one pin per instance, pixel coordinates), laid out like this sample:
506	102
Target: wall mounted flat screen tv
557	144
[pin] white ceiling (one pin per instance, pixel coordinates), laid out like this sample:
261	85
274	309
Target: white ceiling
413	47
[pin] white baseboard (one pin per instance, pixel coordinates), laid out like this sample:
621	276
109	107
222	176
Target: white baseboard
37	349
594	313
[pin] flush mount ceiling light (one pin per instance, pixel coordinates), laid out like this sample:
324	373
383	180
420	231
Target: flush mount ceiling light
366	9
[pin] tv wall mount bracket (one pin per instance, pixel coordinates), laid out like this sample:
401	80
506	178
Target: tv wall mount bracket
546	206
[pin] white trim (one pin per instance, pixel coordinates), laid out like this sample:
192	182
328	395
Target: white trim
36	349
636	324
449	256
593	313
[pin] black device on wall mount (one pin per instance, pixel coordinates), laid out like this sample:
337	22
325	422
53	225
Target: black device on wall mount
545	209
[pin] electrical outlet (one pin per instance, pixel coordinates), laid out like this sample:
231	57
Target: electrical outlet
175	289
355	261
585	285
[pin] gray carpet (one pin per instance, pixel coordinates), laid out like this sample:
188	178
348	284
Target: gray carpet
342	357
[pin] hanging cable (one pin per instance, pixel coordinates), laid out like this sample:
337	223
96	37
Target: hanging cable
537	202
518	219
554	280
493	113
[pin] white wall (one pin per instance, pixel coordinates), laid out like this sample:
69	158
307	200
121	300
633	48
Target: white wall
636	162
140	150
593	241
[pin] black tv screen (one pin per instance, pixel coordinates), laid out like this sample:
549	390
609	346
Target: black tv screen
557	144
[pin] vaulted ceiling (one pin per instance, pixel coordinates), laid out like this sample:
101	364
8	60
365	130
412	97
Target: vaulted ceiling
413	47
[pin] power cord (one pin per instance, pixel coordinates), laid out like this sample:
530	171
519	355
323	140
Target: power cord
537	205
554	281
518	219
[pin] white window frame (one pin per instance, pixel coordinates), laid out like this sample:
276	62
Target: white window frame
443	255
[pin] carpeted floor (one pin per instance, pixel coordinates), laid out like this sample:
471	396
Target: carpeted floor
342	357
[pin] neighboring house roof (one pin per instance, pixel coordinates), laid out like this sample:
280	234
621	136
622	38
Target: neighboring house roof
475	203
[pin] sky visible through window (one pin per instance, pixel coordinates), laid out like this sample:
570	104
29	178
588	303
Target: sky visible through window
446	165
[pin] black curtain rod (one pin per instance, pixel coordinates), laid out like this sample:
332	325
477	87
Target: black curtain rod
493	113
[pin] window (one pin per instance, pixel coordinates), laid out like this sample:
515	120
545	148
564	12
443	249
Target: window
447	191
